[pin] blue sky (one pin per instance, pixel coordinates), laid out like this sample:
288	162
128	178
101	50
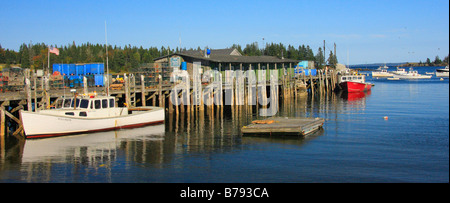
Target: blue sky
364	31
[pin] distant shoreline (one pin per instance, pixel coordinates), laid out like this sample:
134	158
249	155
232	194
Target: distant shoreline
375	66
421	65
407	64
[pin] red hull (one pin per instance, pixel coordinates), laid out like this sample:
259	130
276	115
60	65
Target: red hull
355	86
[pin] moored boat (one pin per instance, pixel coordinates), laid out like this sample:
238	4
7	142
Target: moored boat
411	74
382	72
354	83
86	114
442	72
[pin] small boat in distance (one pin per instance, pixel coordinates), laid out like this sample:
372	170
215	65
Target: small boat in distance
84	114
411	74
442	72
354	83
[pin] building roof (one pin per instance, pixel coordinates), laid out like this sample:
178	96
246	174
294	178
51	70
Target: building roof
215	52
229	56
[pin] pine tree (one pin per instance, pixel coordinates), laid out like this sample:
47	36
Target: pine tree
437	60
332	60
428	62
319	59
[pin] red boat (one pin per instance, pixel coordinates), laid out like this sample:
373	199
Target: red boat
354	83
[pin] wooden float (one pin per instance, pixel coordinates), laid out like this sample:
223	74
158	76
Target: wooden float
283	126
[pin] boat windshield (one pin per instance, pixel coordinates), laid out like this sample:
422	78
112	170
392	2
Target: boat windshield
104	103
352	78
97	104
58	103
84	104
75	102
111	103
66	103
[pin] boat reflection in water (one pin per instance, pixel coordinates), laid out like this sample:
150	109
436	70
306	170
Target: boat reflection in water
355	96
88	147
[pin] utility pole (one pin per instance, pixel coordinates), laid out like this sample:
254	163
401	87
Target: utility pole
335	50
263	46
335	56
324	53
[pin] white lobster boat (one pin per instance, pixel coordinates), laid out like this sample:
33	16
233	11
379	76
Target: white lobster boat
412	74
86	114
382	72
442	72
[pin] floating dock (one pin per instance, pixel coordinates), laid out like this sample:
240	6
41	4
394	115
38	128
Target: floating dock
283	126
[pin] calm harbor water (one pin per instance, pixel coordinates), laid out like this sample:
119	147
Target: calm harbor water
357	144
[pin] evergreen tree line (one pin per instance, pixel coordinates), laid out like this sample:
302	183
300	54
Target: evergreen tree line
437	62
302	52
35	56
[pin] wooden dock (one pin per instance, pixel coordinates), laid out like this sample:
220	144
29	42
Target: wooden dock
196	97
283	126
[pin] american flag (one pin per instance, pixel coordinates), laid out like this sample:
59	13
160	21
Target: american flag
54	50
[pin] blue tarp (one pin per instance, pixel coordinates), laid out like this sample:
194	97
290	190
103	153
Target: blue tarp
307	72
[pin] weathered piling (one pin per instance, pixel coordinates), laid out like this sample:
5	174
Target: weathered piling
143	91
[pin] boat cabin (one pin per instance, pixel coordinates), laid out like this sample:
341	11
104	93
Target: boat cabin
85	107
353	78
85	103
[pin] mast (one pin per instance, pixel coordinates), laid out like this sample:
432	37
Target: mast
107	67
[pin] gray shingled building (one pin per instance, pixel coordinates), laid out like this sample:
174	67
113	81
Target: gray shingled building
231	59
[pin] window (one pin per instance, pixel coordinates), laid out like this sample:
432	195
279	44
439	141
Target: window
70	113
75	102
97	104
344	78
92	104
111	103
84	103
83	113
67	103
104	103
58	104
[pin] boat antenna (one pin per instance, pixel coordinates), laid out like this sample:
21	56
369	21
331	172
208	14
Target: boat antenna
107	67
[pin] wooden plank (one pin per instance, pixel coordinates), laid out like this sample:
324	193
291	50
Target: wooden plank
284	125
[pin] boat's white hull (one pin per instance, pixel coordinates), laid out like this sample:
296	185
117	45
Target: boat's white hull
442	74
406	76
38	125
381	74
